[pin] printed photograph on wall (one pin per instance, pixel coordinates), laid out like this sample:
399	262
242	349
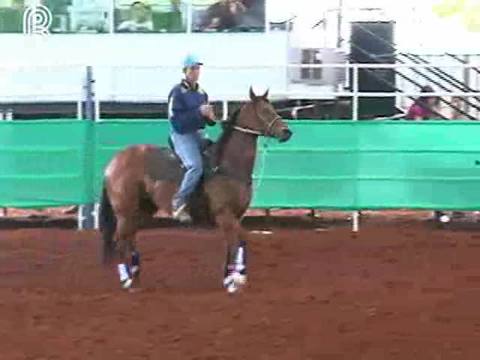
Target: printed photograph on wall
11	16
228	15
150	16
79	16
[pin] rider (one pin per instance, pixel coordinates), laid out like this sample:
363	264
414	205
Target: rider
188	112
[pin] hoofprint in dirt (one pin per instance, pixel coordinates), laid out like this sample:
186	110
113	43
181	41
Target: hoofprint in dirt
399	289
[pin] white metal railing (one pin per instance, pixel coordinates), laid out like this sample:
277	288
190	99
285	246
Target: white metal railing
224	83
267	66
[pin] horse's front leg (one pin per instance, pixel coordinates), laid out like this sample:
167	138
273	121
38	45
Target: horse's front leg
235	275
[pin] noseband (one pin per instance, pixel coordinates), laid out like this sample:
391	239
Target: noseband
268	130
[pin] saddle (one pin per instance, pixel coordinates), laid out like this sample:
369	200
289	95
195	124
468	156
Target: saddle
208	156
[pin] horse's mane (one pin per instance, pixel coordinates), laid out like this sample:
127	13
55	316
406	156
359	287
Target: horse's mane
227	129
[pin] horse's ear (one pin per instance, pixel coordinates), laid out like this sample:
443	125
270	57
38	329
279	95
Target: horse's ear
265	96
253	97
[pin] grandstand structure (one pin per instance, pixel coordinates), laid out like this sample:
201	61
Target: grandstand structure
134	72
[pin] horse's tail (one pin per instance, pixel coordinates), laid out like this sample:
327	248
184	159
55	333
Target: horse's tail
108	225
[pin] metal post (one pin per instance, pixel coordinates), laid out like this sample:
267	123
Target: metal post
339	24
189	16
225	110
96	217
86	217
355	221
97	109
466	80
79	110
355	215
355	92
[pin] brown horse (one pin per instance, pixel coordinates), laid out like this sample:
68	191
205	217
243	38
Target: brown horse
142	179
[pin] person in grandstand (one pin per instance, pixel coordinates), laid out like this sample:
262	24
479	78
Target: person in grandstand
424	107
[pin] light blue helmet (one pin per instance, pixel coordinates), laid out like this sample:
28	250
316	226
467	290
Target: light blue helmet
191	60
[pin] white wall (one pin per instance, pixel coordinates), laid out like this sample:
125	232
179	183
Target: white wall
140	66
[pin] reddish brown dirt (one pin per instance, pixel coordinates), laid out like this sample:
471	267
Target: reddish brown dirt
401	289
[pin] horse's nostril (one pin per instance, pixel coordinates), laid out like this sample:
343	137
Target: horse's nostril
286	134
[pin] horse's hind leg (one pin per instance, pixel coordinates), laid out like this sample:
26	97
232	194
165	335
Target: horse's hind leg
129	264
236	259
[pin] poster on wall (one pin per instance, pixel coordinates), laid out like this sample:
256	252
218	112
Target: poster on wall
228	15
11	16
150	16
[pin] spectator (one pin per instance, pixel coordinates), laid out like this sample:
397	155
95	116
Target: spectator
424	107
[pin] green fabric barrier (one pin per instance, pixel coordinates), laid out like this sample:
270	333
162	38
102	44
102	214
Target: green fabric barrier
45	163
420	165
327	164
374	165
316	168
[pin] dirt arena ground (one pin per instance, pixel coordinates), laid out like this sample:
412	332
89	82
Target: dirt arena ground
402	288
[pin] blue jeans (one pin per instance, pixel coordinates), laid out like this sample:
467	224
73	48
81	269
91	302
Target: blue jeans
189	148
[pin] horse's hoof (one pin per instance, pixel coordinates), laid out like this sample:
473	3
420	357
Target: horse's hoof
239	279
444	219
127	284
135	271
232	289
234	282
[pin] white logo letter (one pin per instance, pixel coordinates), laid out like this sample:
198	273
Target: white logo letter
37	20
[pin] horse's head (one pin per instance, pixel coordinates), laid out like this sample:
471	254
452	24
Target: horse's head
259	116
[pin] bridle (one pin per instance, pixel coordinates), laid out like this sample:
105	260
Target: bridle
267	132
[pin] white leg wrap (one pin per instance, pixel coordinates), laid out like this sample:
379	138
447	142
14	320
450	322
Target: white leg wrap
240	260
123	272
